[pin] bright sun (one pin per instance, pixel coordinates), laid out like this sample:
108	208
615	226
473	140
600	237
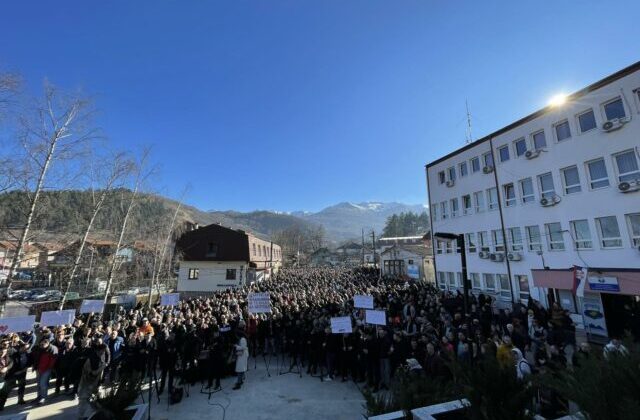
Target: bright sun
557	100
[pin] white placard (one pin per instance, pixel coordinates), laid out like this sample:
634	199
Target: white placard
17	324
55	318
363	301
341	325
375	317
89	306
170	299
259	303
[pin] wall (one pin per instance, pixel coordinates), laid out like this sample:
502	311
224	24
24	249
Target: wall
212	275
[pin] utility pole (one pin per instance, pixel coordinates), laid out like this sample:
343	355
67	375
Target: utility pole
373	240
469	138
363	247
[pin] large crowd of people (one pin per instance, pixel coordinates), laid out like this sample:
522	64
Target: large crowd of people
205	338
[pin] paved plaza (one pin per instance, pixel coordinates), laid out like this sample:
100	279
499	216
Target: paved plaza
261	398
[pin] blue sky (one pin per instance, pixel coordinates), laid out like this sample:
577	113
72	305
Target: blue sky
295	105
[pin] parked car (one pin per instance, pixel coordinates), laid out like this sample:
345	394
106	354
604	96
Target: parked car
53	294
37	295
19	294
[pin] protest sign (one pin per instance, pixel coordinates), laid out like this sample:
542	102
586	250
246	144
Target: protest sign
375	317
17	324
341	325
363	301
259	303
53	318
89	306
169	299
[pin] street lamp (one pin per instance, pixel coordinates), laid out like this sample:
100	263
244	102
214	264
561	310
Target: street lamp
459	238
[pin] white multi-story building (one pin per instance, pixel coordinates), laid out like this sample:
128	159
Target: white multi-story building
556	189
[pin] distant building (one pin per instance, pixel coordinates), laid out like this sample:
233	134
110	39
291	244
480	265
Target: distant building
386	242
215	257
409	261
556	189
323	257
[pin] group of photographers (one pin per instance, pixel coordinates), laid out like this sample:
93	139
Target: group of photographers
209	337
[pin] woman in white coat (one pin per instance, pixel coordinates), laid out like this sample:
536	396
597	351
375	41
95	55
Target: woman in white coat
242	355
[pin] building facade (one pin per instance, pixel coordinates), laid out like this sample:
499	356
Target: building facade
409	261
557	189
215	258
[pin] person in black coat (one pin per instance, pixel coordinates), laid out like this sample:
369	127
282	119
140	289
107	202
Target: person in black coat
215	366
167	358
64	364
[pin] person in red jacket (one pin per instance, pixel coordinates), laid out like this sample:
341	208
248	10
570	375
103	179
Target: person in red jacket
43	362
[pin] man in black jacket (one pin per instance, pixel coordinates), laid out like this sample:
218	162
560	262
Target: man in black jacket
18	373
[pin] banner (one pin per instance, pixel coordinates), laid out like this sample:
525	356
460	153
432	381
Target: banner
54	318
604	284
89	306
375	317
341	325
17	324
170	299
363	301
413	271
593	314
579	279
259	303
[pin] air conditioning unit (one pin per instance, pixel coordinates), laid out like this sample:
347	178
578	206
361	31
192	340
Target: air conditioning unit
629	186
451	183
614	124
532	154
483	254
514	256
497	257
487	169
551	201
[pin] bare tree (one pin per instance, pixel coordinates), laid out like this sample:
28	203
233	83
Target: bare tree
120	166
51	133
116	258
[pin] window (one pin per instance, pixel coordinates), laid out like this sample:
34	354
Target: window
478	197
633	220
523	286
435	212
609	232
554	234
563	131
231	274
442	177
526	191
449	247
504	153
505	286
498	240
539	140
194	273
533	238
466	204
254	249
598	177
515	239
451	279
212	249
439	246
483	240
587	121
614	109
547	190
454	207
259	251
581	234
488	159
476	284
444	206
489	282
442	280
464	171
509	195
452	173
521	146
571	180
459	279
627	164
470	240
492	198
475	164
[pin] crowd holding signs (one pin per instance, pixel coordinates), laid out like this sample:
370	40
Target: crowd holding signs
259	303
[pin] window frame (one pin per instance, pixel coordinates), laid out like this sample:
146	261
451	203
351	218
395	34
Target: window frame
231	270
549	194
555	130
442	177
524	199
604	105
476	206
486	157
505	294
628	176
531	245
451	173
595	121
598	180
454	211
467	210
444	210
565	187
603	241
492	204
464	172
483	241
508	154
475	168
487	286
633	236
470	241
497	237
581	243
523	295
554	245
509	202
476	281
521	140
533	140
515	246
193	274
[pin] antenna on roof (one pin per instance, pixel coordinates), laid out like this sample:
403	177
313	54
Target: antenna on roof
469	138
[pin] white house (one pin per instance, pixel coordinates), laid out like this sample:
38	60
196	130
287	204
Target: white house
411	261
556	189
